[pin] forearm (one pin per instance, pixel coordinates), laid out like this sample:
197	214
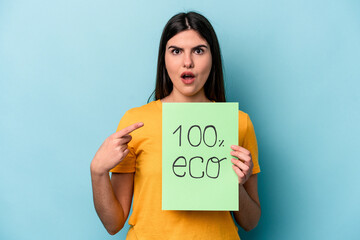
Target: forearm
249	211
106	204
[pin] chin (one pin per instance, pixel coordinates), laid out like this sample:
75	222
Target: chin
190	94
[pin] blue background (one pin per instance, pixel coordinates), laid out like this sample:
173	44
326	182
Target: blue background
70	69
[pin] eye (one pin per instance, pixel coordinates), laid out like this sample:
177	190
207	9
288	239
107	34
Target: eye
198	51
175	51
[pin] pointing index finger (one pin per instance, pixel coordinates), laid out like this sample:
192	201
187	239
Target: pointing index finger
129	129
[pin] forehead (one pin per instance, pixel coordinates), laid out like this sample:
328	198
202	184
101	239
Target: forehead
187	38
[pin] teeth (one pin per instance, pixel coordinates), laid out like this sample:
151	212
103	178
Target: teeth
188	76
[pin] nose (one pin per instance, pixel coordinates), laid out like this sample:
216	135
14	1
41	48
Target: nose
188	61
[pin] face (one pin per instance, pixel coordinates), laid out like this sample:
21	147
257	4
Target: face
188	62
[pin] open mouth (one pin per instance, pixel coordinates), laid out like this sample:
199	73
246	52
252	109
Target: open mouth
188	77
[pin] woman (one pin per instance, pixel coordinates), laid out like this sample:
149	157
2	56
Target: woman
189	70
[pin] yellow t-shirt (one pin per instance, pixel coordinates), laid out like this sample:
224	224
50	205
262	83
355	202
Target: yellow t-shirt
147	220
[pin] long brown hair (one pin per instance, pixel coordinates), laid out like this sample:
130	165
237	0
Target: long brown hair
214	86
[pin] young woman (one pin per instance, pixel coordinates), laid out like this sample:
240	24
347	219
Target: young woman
189	70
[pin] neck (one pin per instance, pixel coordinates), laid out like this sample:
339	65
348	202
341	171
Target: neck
174	97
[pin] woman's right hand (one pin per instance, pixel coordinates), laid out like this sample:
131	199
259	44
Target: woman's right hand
113	150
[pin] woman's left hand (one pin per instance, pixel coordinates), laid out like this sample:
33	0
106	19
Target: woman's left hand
243	165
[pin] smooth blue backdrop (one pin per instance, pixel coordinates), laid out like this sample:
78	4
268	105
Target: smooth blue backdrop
69	70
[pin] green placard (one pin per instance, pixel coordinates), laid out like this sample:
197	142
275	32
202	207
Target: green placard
196	160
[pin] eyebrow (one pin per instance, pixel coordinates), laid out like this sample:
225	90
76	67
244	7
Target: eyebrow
198	46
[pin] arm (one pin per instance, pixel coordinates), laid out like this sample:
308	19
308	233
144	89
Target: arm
112	198
249	204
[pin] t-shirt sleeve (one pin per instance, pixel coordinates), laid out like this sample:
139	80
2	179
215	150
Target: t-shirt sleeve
250	144
127	165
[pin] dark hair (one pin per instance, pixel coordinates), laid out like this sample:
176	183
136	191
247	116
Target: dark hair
214	86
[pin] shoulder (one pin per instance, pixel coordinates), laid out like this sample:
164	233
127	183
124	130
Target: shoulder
149	114
245	123
144	110
244	118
